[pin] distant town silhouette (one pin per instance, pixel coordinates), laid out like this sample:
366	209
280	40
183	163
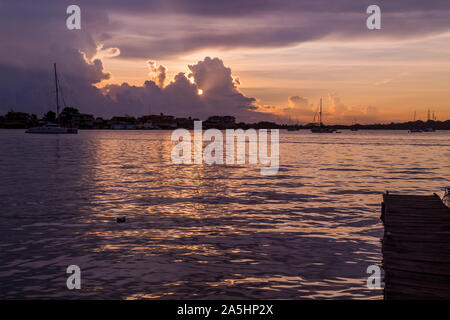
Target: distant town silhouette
72	118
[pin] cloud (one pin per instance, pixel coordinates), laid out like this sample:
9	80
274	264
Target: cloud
26	81
180	97
334	111
337	108
158	73
189	26
34	37
338	112
383	81
158	29
104	53
163	28
299	108
298	102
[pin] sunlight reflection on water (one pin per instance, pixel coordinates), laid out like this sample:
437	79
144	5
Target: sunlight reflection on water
199	231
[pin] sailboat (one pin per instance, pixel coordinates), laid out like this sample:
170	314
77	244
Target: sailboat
293	127
430	129
321	128
48	127
412	130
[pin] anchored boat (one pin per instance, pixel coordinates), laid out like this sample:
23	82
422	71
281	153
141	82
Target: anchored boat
49	127
321	128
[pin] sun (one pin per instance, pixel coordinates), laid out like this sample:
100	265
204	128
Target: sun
199	92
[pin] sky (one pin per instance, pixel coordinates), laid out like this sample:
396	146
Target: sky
257	60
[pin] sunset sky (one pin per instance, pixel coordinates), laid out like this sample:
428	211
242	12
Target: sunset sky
257	60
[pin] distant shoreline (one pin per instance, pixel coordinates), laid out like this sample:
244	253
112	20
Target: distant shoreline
72	118
280	128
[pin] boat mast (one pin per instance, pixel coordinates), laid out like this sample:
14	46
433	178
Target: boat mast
320	113
56	85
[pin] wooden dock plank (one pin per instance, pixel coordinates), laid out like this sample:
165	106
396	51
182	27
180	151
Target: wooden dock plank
416	247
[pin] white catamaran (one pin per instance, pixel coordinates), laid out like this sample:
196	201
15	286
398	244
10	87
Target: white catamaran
48	127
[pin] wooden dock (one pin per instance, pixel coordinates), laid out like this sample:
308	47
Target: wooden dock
416	247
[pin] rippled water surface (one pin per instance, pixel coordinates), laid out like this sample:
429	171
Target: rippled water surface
200	231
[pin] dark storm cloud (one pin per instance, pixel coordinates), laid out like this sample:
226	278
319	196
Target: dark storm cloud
38	37
170	28
143	29
251	7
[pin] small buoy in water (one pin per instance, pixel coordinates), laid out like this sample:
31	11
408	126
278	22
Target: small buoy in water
120	219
